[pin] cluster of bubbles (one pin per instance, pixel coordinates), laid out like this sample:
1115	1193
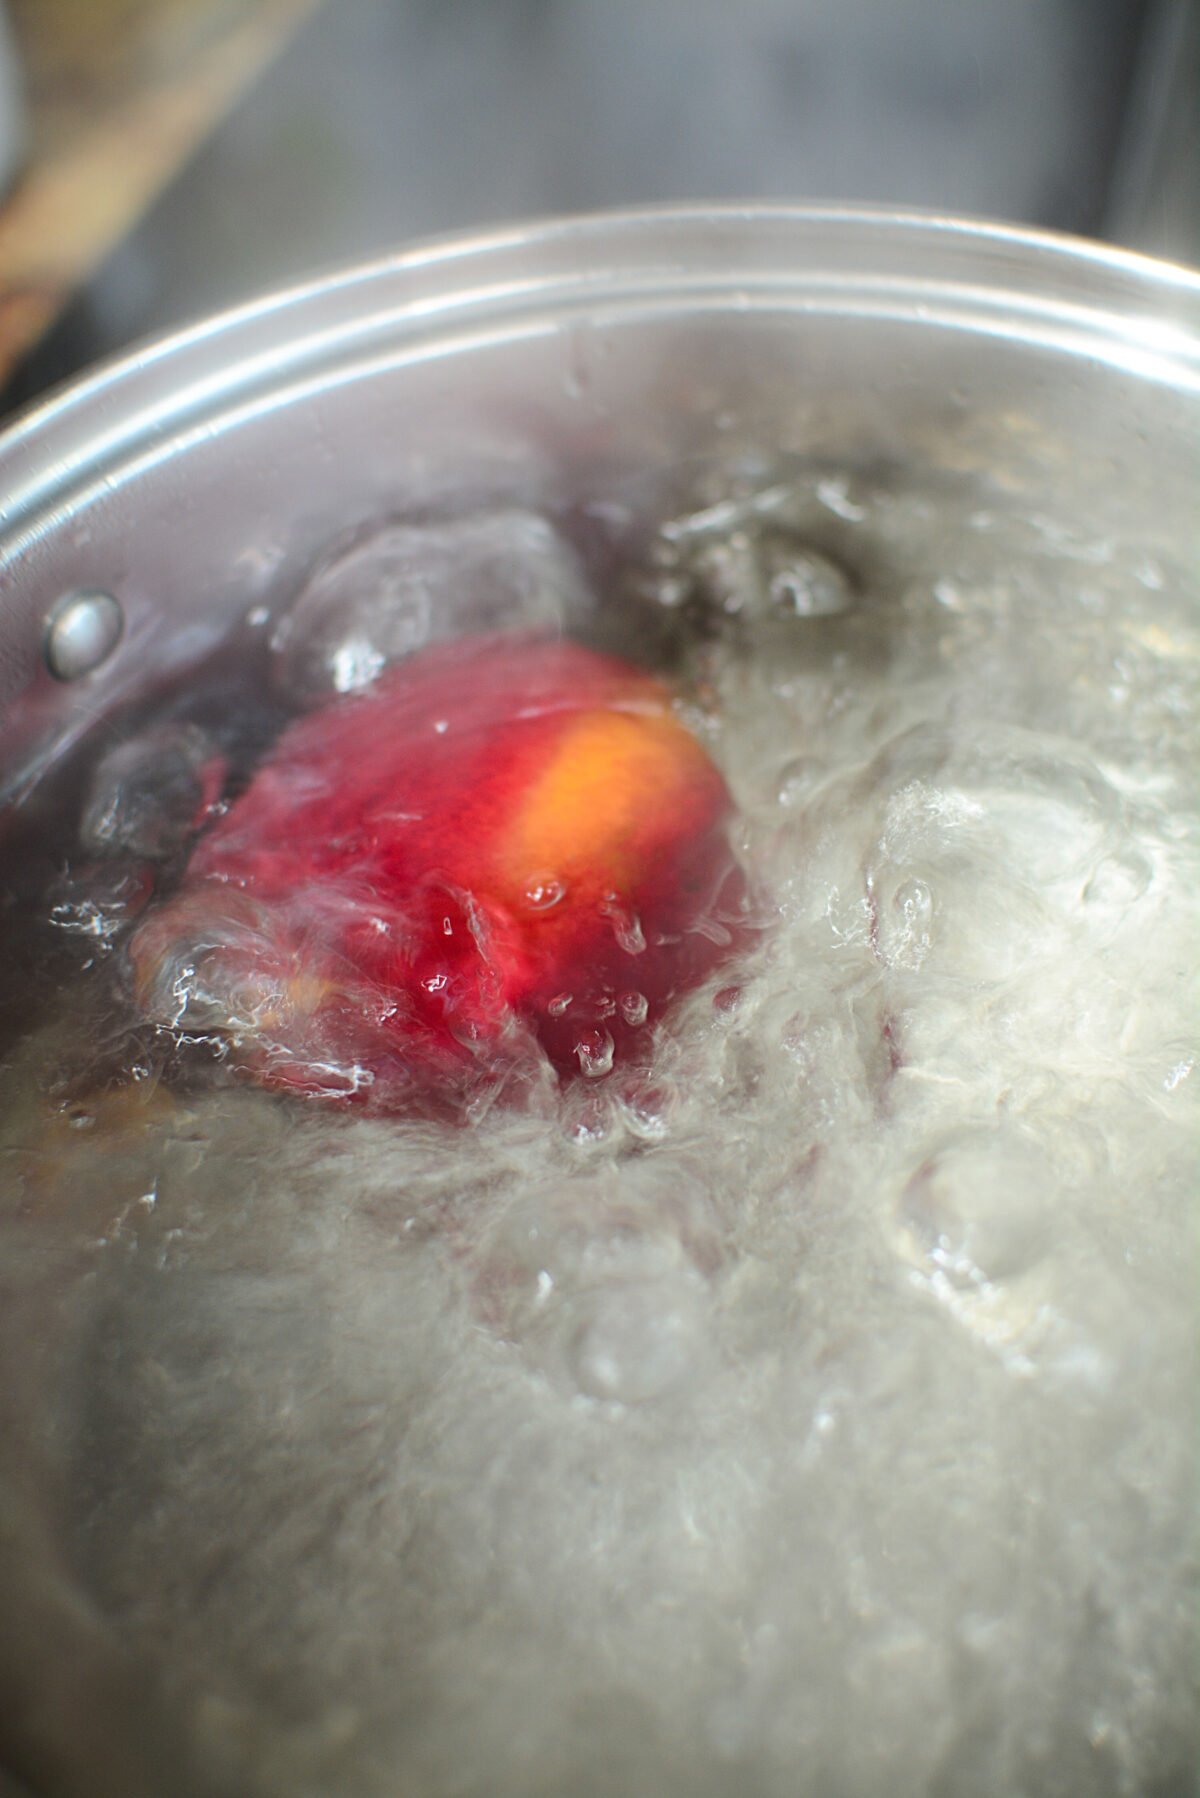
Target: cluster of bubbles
811	1404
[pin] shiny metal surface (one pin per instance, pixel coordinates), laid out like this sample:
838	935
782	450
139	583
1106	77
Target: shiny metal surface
196	480
82	632
198	477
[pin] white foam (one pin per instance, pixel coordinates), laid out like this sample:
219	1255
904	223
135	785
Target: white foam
812	1414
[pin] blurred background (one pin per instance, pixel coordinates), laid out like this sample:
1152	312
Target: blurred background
162	158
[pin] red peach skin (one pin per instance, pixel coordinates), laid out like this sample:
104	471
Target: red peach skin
502	842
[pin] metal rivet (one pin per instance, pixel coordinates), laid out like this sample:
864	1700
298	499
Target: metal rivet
82	631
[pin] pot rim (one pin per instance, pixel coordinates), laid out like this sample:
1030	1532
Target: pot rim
1047	288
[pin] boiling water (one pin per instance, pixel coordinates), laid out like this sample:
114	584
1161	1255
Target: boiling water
811	1412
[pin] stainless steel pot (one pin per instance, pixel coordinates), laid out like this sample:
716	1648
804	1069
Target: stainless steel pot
194	480
176	498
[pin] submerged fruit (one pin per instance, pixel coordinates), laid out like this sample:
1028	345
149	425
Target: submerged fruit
503	842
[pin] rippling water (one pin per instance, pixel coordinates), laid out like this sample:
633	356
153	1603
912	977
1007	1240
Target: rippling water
811	1411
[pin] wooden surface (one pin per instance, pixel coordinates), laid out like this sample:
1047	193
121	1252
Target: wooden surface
119	93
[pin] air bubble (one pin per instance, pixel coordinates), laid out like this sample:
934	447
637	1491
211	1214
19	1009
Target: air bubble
1118	881
634	1008
646	1107
626	926
594	1049
402	586
905	925
636	1342
544	892
975	1211
803	584
587	1118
